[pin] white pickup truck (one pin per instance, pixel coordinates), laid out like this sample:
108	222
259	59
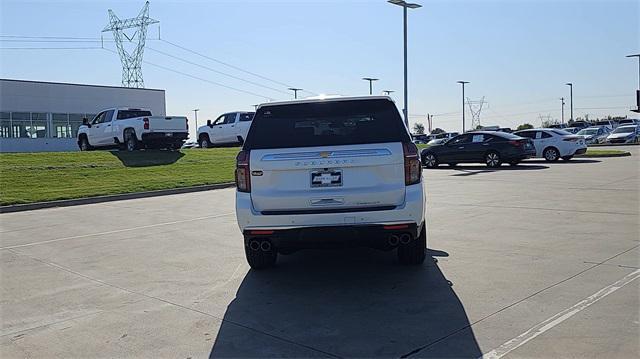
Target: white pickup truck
132	129
230	128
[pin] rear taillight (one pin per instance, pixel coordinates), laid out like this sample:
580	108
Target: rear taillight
412	165
243	175
516	143
571	139
146	123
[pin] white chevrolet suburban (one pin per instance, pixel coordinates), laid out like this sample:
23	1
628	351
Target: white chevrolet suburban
230	128
131	129
325	172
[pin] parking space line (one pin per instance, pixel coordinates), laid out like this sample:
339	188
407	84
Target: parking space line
117	231
544	209
553	321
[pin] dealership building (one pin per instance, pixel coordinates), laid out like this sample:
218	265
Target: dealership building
44	116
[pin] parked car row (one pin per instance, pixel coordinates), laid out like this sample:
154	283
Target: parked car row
496	148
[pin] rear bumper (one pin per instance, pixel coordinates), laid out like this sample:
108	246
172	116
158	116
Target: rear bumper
581	151
164	137
621	140
411	211
370	235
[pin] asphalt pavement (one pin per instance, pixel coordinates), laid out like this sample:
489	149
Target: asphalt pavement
540	260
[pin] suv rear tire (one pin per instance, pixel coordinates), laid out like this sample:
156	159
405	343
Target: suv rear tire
260	259
414	252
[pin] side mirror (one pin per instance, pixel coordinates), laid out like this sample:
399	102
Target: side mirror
209	123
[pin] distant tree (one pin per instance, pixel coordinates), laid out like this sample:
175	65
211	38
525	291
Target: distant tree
437	131
418	128
524	126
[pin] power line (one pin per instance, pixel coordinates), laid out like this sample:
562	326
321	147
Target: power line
231	66
51	48
200	78
216	71
74	39
50	37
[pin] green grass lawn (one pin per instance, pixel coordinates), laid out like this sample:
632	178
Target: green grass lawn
36	177
596	153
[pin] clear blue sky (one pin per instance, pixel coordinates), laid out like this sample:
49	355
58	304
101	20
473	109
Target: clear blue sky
518	54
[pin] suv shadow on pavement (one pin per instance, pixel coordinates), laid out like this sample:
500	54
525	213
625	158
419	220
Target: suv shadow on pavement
354	303
148	158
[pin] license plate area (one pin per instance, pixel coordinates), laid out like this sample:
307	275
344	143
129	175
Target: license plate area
327	178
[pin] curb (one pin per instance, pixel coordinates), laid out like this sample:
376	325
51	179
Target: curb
625	154
110	198
612	144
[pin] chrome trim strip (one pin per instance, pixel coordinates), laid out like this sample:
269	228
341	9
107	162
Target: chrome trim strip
328	154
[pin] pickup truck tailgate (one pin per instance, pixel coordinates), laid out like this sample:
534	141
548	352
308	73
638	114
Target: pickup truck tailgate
173	124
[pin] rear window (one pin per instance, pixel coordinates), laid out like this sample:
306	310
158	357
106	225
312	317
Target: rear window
506	135
329	123
125	114
244	117
561	132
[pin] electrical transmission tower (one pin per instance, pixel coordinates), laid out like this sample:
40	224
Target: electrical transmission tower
475	107
131	61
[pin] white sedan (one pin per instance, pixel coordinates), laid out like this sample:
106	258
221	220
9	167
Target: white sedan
552	143
625	134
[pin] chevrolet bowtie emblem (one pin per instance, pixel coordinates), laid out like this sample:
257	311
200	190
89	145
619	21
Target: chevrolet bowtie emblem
324	154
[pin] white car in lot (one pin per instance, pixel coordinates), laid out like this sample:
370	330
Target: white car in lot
594	135
552	143
229	128
132	129
330	172
625	134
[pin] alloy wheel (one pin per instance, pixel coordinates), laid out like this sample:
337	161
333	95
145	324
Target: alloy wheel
493	159
430	160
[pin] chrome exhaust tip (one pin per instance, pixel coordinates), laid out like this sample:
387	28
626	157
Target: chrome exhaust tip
254	245
265	246
393	240
405	238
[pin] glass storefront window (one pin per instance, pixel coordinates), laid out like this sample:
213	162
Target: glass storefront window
39	125
20	124
75	120
61	125
5	124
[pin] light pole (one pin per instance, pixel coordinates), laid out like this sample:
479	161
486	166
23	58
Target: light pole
463	83
370	83
295	91
562	118
405	5
388	92
571	99
638	56
638	90
196	113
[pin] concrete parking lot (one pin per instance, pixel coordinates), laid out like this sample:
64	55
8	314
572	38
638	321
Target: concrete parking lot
520	258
